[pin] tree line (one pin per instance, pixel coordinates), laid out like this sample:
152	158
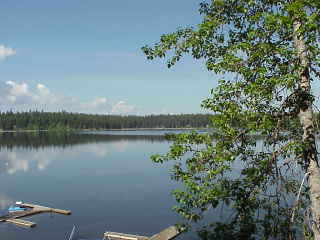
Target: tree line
40	120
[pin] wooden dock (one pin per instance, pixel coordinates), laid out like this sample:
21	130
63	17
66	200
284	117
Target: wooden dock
167	234
31	209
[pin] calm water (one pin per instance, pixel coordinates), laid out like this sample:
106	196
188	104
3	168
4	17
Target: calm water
107	181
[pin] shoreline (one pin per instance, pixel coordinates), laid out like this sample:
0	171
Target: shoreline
145	129
101	130
22	131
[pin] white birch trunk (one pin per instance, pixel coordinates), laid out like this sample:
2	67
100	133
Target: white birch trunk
306	120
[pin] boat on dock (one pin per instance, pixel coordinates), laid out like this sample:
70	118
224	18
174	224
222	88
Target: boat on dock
16	208
21	210
27	210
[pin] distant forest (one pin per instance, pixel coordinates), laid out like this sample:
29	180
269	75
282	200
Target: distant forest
39	120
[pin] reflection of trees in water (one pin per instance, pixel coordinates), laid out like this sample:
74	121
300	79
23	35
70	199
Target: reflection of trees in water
25	151
36	140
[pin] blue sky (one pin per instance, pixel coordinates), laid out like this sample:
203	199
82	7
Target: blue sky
84	56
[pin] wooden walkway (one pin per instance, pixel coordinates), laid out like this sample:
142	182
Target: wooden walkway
167	234
32	209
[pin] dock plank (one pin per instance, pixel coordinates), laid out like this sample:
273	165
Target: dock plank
167	234
32	209
21	222
123	236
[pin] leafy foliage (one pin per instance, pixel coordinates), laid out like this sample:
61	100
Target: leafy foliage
258	178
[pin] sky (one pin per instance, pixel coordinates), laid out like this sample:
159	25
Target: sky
85	56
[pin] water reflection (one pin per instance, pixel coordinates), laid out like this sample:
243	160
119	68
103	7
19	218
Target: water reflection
108	182
42	139
22	152
5	201
15	161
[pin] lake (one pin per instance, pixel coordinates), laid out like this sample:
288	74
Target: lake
107	180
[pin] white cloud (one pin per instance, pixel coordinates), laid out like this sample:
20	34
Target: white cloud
43	96
123	108
21	97
43	90
6	52
16	93
18	89
95	103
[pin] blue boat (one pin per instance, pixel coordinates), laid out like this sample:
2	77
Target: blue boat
16	208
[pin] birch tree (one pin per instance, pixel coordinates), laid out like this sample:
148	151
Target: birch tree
260	160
